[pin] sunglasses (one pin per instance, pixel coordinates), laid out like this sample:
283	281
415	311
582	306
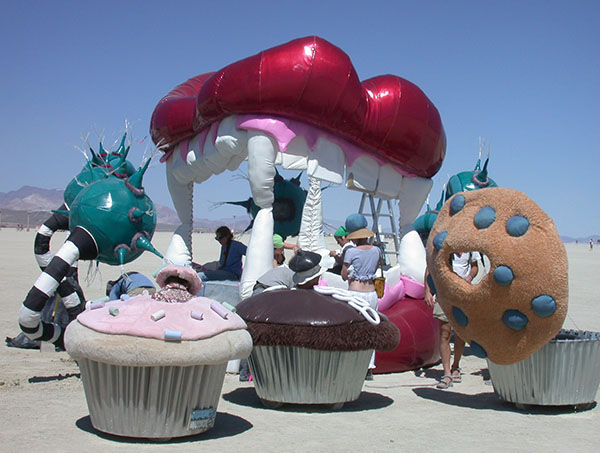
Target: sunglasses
218	238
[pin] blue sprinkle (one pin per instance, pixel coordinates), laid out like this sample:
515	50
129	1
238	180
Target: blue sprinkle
460	317
478	350
172	335
485	217
517	226
515	319
438	240
431	284
543	306
503	275
457	203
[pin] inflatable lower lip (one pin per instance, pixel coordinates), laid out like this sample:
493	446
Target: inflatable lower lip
311	80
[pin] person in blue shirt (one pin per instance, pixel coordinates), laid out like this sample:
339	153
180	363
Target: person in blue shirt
230	261
132	283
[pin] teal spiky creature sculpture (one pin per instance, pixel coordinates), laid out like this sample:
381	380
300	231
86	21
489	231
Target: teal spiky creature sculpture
107	200
111	220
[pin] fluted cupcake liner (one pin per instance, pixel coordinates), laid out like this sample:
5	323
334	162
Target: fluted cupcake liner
152	402
566	371
308	376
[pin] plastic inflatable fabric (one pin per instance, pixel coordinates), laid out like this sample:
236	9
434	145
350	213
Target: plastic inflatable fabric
310	79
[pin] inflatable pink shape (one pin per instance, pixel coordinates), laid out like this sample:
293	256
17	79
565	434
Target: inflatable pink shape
419	338
311	80
391	296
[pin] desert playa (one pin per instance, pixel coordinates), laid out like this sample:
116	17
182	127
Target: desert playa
43	406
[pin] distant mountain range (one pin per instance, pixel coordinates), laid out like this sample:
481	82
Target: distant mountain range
37	203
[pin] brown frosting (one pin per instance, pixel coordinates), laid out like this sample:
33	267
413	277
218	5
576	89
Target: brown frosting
300	307
305	318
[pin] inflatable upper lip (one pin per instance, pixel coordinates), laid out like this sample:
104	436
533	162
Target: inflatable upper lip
311	80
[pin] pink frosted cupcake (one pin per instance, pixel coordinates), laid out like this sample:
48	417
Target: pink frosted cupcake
153	366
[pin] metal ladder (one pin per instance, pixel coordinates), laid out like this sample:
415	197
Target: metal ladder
375	213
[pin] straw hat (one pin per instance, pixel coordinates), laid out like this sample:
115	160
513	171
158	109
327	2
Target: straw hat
356	225
306	266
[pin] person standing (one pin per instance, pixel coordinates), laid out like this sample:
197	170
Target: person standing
341	237
360	266
465	266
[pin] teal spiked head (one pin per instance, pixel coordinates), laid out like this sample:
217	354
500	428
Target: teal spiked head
470	180
101	165
119	216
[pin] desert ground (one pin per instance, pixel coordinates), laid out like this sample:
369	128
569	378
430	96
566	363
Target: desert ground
43	406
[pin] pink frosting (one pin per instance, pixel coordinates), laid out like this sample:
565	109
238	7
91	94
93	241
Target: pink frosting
134	318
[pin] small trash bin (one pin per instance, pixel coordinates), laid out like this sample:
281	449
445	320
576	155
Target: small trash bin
566	371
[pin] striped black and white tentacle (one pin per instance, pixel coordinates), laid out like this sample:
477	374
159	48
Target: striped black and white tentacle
68	289
79	245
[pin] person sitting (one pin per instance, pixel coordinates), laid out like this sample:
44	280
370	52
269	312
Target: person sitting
341	237
131	283
307	271
230	260
280	275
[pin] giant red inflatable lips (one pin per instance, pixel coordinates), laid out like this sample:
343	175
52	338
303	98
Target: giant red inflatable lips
311	80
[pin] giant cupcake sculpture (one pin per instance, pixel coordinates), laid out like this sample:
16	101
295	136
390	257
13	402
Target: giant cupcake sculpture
153	366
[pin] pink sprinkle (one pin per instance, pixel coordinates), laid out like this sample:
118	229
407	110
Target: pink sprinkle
219	309
197	315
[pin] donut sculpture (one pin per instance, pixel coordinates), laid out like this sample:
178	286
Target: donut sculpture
522	302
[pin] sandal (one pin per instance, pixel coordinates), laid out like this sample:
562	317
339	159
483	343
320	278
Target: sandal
445	382
456	377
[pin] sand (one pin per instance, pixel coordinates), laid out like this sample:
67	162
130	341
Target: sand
43	405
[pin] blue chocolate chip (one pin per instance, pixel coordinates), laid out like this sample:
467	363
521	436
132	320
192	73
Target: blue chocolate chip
517	226
543	306
478	350
485	217
460	317
515	319
503	275
438	240
457	203
430	283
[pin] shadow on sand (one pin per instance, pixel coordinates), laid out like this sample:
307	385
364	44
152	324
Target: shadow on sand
226	425
491	401
246	396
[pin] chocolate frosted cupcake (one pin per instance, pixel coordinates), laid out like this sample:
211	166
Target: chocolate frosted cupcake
310	347
154	367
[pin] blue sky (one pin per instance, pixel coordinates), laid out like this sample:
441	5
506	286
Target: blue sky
522	74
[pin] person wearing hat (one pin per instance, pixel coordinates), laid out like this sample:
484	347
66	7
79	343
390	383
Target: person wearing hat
341	237
360	265
306	269
278	248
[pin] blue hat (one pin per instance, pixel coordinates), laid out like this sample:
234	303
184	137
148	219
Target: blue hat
356	224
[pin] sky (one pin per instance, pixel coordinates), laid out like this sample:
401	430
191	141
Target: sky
524	75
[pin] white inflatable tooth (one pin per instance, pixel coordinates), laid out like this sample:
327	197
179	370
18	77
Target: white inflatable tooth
411	257
235	161
293	162
261	168
411	197
296	154
191	157
327	162
177	168
213	159
231	140
388	183
259	255
362	174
